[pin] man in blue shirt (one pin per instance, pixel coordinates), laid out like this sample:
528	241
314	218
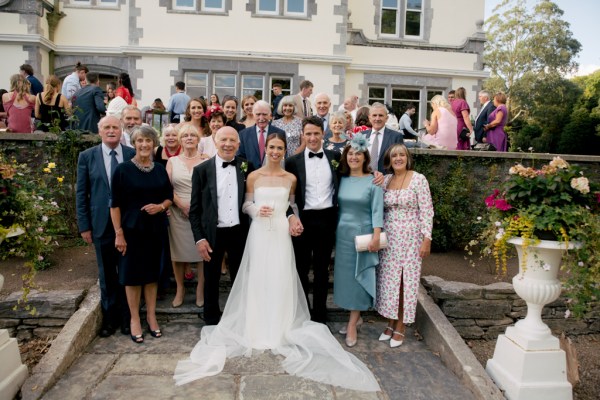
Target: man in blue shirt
178	102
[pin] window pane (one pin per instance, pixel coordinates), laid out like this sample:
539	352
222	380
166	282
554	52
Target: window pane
399	107
413	23
286	84
253	85
267	5
388	21
194	92
403	94
108	1
184	3
213	4
413	4
377	94
295	6
390	4
196	79
224	80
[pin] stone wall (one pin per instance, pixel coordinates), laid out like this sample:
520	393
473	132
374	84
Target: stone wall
484	312
48	312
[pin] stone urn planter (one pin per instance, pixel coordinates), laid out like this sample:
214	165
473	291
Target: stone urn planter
528	362
12	371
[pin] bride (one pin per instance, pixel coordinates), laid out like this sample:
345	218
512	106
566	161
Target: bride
267	309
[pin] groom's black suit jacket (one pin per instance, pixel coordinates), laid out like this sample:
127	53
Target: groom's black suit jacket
203	203
297	166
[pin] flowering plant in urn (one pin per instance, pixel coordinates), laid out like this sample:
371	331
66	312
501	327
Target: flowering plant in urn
557	202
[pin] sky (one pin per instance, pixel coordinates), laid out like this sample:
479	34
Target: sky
583	17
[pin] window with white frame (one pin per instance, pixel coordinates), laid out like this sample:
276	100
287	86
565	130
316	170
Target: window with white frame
281	7
205	5
402	18
94	3
185	5
196	84
253	85
376	94
402	97
286	86
224	84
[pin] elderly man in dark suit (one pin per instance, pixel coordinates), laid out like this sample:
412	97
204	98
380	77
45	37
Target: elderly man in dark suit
380	137
88	103
487	107
218	224
253	139
94	175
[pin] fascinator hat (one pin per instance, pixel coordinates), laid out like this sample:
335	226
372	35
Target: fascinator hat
359	142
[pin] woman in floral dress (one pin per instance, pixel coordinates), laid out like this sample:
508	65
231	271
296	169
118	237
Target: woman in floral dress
408	220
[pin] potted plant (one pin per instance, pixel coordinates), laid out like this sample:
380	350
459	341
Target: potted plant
551	216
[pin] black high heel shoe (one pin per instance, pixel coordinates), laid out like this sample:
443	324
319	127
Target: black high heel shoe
154	333
138	339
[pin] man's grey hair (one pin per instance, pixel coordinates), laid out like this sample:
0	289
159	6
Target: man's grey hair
484	93
261	103
130	107
378	105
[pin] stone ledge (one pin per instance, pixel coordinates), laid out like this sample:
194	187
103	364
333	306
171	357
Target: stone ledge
78	332
52	304
441	337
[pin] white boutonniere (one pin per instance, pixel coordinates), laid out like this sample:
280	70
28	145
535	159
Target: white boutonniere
244	167
335	164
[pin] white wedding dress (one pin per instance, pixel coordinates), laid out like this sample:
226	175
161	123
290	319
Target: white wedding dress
267	310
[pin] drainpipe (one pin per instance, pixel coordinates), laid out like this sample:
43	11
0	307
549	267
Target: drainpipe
53	18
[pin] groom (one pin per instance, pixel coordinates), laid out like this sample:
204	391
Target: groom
316	197
218	224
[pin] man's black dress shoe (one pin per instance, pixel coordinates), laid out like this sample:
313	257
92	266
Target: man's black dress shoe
125	329
106	331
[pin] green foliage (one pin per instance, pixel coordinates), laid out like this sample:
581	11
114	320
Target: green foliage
451	195
579	135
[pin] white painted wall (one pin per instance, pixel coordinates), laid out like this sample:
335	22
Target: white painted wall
157	80
9	24
93	27
12	58
321	77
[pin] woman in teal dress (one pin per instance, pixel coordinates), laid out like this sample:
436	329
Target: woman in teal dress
360	212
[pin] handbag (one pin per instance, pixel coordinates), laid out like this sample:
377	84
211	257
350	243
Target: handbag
361	242
484	147
464	134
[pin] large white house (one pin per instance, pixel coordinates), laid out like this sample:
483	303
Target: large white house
394	51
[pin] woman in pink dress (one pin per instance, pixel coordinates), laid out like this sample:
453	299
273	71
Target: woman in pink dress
18	105
407	221
462	111
441	131
497	120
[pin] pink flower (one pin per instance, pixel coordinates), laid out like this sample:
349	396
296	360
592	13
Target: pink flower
491	199
502	205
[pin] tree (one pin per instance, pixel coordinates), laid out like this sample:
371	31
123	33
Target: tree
528	44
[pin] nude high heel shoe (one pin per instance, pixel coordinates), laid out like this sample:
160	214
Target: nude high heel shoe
352	342
344	330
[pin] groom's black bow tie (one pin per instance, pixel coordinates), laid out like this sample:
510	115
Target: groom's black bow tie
228	163
319	154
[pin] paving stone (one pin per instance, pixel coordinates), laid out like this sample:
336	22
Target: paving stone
429	280
282	387
46	321
347	394
82	377
416	376
494	322
51	304
220	387
265	363
147	364
46	332
470	332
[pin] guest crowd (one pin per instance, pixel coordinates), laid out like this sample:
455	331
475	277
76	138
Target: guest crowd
149	208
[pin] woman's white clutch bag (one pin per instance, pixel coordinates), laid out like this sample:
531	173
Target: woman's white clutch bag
362	241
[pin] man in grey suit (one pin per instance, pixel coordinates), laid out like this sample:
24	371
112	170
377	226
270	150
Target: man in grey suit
88	103
93	197
380	137
487	107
